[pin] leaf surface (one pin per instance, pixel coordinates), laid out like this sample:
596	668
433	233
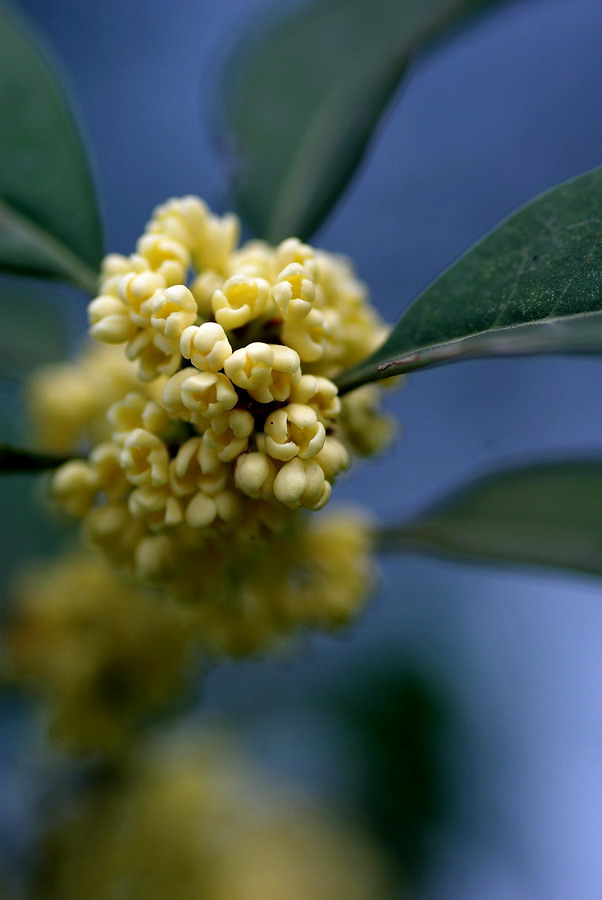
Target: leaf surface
303	100
49	219
545	514
542	265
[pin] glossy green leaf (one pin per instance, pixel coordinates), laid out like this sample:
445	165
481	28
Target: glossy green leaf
547	514
303	100
14	460
542	265
49	221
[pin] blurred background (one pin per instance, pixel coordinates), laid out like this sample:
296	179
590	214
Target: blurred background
491	676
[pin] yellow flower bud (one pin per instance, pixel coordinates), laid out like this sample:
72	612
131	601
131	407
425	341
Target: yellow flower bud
201	510
294	292
366	428
293	251
307	336
239	300
110	322
254	475
293	431
172	394
206	346
219	240
144	458
188	474
156	506
168	258
156	558
266	371
155	353
301	482
228	435
106	462
319	393
208	394
183	219
203	288
74	485
173	310
136	289
333	458
255	259
112	528
136	411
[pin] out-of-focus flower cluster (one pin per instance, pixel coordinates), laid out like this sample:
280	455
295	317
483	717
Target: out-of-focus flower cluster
188	819
219	423
103	653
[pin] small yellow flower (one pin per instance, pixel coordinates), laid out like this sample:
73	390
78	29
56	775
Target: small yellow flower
240	299
254	475
208	394
267	371
136	411
206	346
137	290
294	292
75	485
110	322
301	482
228	434
144	458
294	431
156	506
173	310
167	257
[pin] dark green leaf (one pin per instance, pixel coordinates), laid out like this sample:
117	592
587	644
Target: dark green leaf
397	720
34	329
542	265
49	221
548	514
302	101
14	460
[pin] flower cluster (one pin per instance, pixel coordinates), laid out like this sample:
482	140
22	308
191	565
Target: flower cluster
101	652
220	420
189	818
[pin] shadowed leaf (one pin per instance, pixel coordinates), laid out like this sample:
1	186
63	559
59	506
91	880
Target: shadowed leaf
546	514
49	220
303	100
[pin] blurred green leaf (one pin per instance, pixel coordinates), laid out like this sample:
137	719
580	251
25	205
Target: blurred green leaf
397	722
49	220
14	460
34	329
303	99
546	514
542	264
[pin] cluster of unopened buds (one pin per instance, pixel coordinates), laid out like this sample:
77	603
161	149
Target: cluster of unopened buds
222	419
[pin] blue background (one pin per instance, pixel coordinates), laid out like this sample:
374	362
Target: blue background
506	109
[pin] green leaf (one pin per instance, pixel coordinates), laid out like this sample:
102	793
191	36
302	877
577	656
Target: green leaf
397	720
34	328
49	220
14	460
546	514
542	265
303	100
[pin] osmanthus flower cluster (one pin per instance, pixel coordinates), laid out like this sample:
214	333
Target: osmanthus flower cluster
189	818
218	421
102	654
